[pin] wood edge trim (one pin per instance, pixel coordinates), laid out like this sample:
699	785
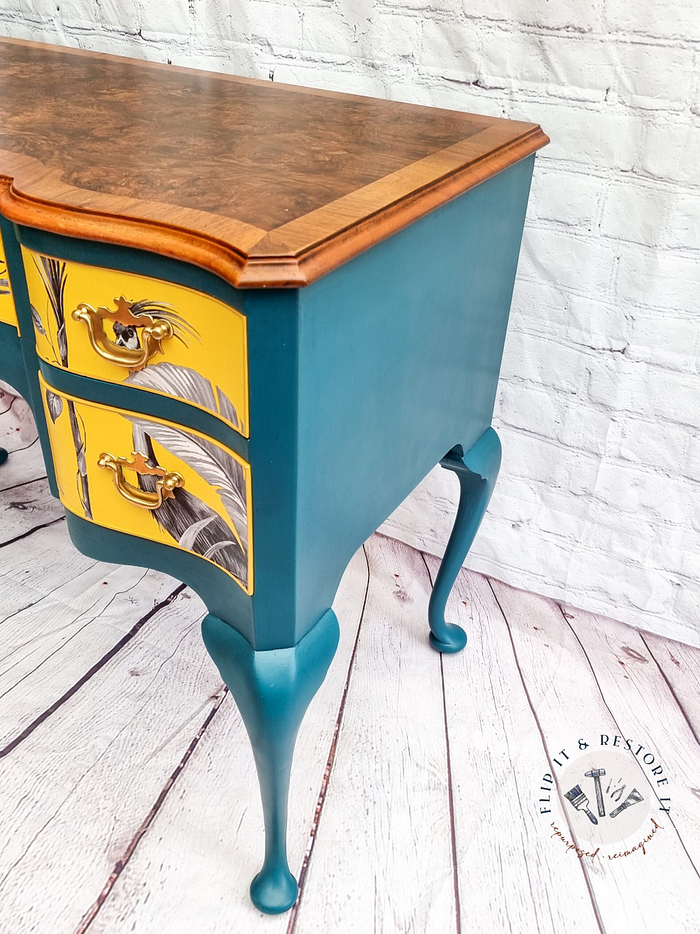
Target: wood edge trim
151	236
263	271
305	233
313	262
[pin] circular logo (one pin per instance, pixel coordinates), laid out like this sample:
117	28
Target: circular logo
605	799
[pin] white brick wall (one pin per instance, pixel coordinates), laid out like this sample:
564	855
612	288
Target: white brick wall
599	405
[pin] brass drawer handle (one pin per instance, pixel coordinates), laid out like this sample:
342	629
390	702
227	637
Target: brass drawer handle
150	331
166	483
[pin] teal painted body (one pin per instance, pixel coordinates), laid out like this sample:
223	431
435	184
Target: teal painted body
359	384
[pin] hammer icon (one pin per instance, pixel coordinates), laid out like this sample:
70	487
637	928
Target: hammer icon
595	775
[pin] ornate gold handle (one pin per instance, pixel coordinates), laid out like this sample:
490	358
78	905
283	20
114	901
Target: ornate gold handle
166	483
151	332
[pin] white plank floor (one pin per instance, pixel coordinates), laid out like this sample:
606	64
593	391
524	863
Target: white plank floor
128	799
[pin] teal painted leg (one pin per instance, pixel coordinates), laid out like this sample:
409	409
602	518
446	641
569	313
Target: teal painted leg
272	689
477	471
3	455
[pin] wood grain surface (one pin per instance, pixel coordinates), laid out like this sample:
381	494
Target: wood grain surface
264	184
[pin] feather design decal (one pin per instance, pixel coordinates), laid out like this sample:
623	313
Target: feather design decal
54	403
36	318
227	408
125	320
211	462
191	522
62	344
77	428
53	275
190	536
4	278
185	383
163	310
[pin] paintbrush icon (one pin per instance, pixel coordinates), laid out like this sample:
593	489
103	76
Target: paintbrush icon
578	800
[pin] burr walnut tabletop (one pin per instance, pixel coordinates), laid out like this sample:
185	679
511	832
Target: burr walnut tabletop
263	184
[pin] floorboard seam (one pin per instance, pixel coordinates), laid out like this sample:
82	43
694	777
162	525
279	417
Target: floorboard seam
16	486
671	688
123	862
617	725
25	448
80	615
100	663
44	525
329	762
450	785
589	886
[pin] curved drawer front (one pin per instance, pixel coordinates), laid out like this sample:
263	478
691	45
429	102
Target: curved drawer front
146	333
154	479
7	304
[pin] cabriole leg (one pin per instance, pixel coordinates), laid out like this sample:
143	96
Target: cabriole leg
273	689
3	455
477	471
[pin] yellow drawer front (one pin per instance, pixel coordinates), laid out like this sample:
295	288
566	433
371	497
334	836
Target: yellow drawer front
7	304
142	332
153	479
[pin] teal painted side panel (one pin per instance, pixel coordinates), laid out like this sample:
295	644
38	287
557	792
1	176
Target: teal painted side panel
399	355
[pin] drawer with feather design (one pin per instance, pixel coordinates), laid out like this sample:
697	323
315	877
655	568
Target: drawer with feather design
157	336
8	315
154	479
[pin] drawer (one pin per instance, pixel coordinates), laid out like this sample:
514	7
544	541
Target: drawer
153	479
7	304
146	333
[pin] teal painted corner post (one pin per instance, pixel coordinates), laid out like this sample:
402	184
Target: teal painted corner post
272	689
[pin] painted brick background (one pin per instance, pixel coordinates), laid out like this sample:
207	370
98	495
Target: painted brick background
599	407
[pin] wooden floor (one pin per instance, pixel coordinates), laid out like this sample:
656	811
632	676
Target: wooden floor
128	799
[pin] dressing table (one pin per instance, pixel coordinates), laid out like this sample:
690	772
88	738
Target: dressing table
249	319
